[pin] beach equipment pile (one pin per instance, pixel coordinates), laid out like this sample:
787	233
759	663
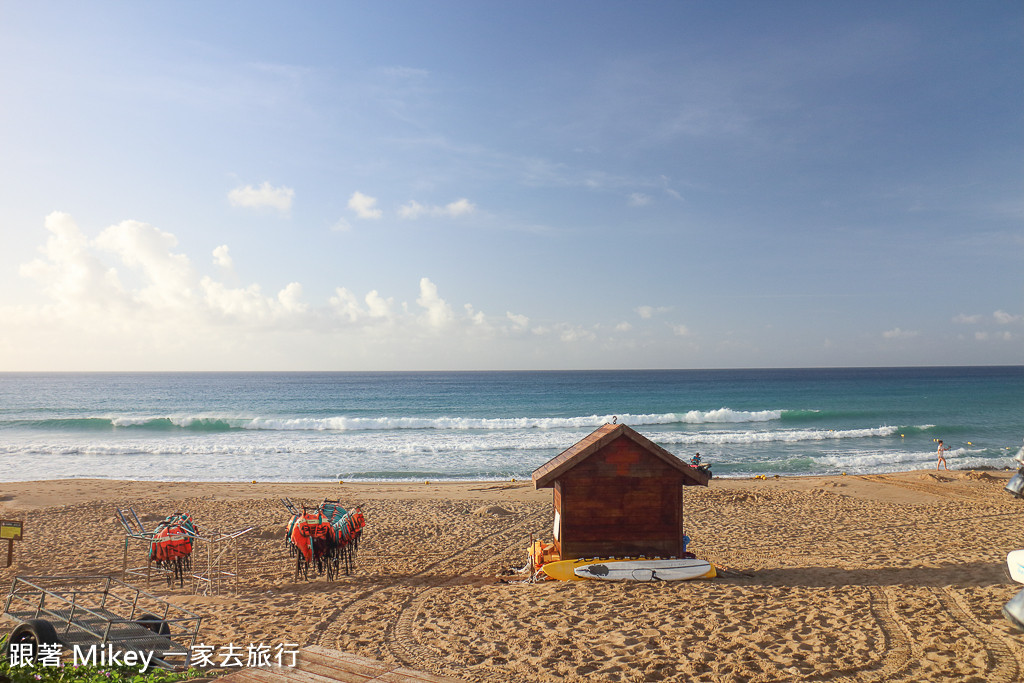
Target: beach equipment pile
168	546
323	540
171	548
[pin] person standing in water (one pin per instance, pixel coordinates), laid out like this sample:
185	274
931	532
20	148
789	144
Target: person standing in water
942	458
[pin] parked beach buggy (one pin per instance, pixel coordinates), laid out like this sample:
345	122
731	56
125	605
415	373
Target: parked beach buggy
94	618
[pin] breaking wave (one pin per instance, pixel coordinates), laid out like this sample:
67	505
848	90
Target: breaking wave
224	423
398	443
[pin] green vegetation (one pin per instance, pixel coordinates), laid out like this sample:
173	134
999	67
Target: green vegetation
92	674
89	674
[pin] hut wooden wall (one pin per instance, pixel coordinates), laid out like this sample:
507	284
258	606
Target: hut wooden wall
622	500
558	513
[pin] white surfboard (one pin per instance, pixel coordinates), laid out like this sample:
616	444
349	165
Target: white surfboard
1015	561
1014	611
647	570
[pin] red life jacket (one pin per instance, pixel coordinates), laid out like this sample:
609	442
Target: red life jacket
309	528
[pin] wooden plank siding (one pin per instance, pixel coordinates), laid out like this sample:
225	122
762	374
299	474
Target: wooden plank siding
618	494
621	501
558	511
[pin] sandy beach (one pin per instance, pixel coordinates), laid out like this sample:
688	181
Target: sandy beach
857	578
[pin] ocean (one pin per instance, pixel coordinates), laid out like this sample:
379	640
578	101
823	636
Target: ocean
449	426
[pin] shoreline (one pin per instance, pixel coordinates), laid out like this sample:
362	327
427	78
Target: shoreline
33	494
857	577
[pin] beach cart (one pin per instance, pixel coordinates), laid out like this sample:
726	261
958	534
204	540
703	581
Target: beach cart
96	619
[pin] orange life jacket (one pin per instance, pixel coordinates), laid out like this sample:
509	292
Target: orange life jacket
542	553
308	528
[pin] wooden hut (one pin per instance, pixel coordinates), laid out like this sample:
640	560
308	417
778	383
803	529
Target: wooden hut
618	494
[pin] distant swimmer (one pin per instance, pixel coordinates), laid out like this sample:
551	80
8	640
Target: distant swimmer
942	458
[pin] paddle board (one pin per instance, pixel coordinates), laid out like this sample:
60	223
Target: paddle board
647	570
563	569
1015	561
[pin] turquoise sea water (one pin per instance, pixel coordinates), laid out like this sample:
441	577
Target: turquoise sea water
498	425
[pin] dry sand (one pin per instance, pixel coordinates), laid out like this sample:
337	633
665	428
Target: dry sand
865	578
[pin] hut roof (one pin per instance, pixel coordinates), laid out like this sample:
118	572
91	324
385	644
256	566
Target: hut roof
545	475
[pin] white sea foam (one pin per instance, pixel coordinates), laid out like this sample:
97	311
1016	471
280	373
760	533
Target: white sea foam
770	436
211	422
370	443
342	423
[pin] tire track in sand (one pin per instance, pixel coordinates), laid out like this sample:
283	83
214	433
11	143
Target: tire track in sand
400	640
1002	664
401	636
899	656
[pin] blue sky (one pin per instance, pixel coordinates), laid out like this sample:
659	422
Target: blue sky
530	185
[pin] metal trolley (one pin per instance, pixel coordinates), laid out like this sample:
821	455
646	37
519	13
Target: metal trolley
79	612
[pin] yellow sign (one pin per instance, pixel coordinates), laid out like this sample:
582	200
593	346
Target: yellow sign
10	530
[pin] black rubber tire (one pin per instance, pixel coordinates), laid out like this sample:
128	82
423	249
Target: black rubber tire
34	631
154	624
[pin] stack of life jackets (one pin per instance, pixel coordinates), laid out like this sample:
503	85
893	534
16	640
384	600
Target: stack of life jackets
311	534
171	547
326	537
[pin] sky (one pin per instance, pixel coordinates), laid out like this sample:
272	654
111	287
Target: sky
510	185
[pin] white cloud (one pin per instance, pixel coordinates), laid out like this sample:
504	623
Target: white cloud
344	303
222	257
266	195
147	250
897	333
648	312
242	308
378	309
239	303
70	273
129	299
476	317
290	298
1004	318
439	313
1004	335
680	330
964	319
364	205
639	199
377	306
413	209
341	225
570	334
459	207
404	72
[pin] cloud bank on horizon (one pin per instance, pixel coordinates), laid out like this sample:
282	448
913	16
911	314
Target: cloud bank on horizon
682	186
